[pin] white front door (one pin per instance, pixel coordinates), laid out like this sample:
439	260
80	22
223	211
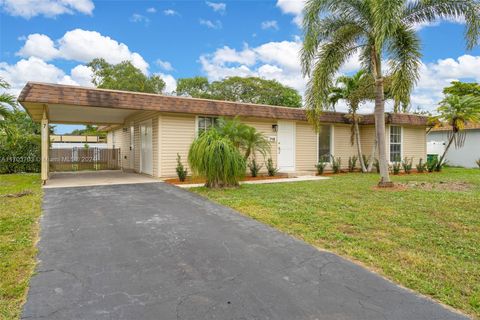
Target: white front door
146	152
286	146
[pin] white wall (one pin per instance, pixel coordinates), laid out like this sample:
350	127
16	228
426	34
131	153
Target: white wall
67	145
465	156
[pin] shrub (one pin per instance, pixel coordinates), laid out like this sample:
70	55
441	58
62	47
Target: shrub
336	164
376	164
407	165
181	171
321	166
215	158
366	160
21	154
396	167
421	166
254	167
478	163
432	164
272	171
352	163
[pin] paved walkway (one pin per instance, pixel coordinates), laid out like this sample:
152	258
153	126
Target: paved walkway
153	251
265	181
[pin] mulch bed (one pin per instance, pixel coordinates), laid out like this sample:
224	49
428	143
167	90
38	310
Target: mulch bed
192	180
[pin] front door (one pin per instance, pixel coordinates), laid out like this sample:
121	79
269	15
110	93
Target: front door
286	146
146	152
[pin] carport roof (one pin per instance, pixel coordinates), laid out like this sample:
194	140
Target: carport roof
60	98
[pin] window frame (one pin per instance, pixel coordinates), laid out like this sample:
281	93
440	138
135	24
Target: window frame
197	120
400	134
331	143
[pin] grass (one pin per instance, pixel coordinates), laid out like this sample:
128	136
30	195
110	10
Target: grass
18	235
428	241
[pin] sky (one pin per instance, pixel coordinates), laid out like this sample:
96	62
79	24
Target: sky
53	40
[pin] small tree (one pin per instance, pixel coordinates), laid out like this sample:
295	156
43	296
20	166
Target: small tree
181	171
457	111
215	158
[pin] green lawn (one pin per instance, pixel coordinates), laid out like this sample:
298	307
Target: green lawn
426	240
18	235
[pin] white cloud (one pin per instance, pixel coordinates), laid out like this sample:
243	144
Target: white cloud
48	8
82	75
217	6
81	45
293	7
270	24
211	24
35	69
165	65
151	10
170	12
139	18
170	82
39	45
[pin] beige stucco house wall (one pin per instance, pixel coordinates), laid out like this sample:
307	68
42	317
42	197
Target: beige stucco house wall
174	133
151	129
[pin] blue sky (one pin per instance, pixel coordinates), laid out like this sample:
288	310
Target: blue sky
52	40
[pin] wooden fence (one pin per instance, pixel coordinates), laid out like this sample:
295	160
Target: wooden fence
77	159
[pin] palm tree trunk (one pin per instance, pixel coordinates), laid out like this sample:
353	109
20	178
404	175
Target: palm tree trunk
359	146
446	149
372	159
380	122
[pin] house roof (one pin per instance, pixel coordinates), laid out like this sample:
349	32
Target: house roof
468	126
36	93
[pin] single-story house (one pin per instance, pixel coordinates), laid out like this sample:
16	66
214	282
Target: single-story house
150	129
437	140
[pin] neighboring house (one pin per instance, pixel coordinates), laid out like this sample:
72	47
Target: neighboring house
151	129
77	141
465	156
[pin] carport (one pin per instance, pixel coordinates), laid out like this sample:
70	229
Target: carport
57	104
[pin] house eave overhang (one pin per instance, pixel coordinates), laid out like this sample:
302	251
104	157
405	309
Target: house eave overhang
74	104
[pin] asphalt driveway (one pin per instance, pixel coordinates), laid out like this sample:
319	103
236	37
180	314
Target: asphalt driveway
153	251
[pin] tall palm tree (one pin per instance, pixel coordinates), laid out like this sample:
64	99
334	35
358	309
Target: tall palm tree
348	88
457	111
5	99
335	30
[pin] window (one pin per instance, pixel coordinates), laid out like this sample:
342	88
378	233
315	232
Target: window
324	141
395	144
204	123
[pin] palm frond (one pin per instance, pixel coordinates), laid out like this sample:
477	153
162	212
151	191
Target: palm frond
427	11
386	16
331	57
405	60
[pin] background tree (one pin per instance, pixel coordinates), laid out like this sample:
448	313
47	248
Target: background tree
6	99
335	30
123	76
459	88
456	112
239	89
197	87
89	130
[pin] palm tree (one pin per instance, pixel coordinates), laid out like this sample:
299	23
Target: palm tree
5	99
348	89
335	30
457	111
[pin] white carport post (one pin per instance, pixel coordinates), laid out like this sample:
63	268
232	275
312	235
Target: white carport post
45	143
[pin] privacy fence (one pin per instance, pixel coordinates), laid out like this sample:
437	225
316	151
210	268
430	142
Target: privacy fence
78	159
